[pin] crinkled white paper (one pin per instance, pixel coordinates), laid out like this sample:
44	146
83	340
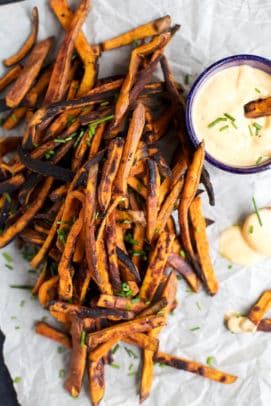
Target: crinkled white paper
211	29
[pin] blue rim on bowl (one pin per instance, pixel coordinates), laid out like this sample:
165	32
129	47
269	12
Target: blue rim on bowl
235	60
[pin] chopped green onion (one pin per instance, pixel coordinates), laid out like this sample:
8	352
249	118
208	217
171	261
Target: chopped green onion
182	253
189	291
113	365
128	306
9	266
234	125
62	235
60	350
22	303
64	140
186	79
251	228
132	373
223	128
8	197
28	253
102	120
216	121
250	130
179	277
74	56
128	238
49	154
105	103
83	338
26	287
259	160
162	365
257	211
194	328
115	349
44	318
161	312
17	327
257	90
135	299
230	266
61	373
78	139
7	257
13	317
258	127
131	353
172	313
229	116
210	360
1	121
147	302
35	144
199	306
17	379
14	118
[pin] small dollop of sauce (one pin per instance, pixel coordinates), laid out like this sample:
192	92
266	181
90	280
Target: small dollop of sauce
237	323
218	116
250	242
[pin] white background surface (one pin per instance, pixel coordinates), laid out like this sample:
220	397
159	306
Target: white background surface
211	29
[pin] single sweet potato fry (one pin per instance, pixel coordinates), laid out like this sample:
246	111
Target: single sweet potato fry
46	330
259	309
10	76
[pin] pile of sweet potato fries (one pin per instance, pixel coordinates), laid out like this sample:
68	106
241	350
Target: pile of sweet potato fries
88	186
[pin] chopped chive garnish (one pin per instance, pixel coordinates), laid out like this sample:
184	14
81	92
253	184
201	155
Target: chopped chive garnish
199	306
136	42
105	103
223	128
186	79
210	360
49	154
1	121
189	291
17	327
35	144
102	120
78	139
131	353
27	287
147	302
172	313
230	266
7	257
131	366
13	317
113	365
61	373
250	130
64	140
9	266
234	125
182	253
257	90
22	303
229	116
115	349
259	160
17	379
257	211
74	56
161	312
44	318
128	306
162	365
179	277
83	338
135	299
194	328
14	118
8	197
128	238
251	228
258	127
216	121
134	373
60	349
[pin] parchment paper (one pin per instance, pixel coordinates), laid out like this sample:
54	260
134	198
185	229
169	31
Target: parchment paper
211	29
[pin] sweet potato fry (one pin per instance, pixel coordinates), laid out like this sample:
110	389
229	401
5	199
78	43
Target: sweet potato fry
59	77
128	269
14	118
168	205
111	244
259	309
46	330
109	172
192	179
23	51
143	31
152	201
199	227
121	303
194	367
48	291
264	325
184	269
96	381
258	108
156	266
29	73
138	325
10	76
79	358
133	137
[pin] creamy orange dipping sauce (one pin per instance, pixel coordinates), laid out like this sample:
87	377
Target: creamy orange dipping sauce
218	116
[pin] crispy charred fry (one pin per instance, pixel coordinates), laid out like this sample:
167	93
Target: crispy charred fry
96	140
48	291
9	144
29	73
258	108
121	303
205	179
139	325
109	172
138	237
28	43
143	31
12	184
59	77
264	325
168	205
199	227
183	268
46	330
194	367
155	308
127	267
111	244
156	266
133	137
257	312
87	53
152	199
40	280
96	381
192	179
10	76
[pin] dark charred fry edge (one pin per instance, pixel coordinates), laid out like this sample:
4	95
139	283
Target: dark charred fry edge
45	168
12	184
205	179
125	259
